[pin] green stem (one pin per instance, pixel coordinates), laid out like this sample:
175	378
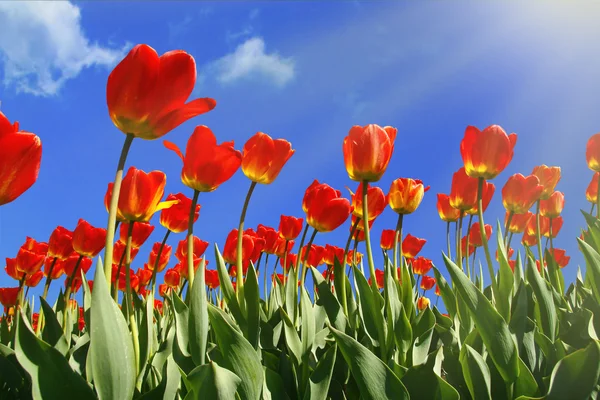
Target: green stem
285	253
68	292
239	271
129	301
398	244
46	288
509	240
115	286
459	241
539	237
368	235
265	279
348	242
467	247
112	210
448	239
190	239
551	242
486	248
305	258
300	248
508	221
154	270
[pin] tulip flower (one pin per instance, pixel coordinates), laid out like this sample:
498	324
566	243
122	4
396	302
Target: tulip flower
488	193
550	230
290	227
387	239
509	253
141	232
172	277
165	255
553	206
463	193
119	252
141	193
445	210
144	276
475	234
74	265
437	290
549	177
164	290
405	195
592	153
176	218
9	296
60	244
230	248
463	247
206	165
34	279
270	236
354	258
379	274
54	268
529	239
422	303
31	256
314	257
20	158
421	265
486	153
289	261
367	151
199	247
211	277
427	282
591	193
146	94
326	209
87	240
520	192
560	257
411	246
283	246
263	158
11	269
330	253
518	222
376	201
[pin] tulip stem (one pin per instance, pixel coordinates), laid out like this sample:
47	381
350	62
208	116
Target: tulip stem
239	271
484	240
154	270
129	300
68	292
294	270
115	286
190	239
113	207
265	279
509	240
368	235
349	242
448	239
305	258
473	263
398	243
46	288
506	227
551	242
539	237
598	200
285	253
456	239
459	242
467	246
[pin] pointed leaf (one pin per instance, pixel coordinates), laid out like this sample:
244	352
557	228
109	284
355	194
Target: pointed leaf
198	318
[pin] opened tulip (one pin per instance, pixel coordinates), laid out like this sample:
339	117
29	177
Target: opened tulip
326	209
518	222
263	158
387	239
463	192
290	227
211	277
367	151
406	194
486	153
140	233
60	244
270	236
553	206
475	234
411	246
379	274
146	94
376	201
421	265
520	192
199	247
107	198
206	165
592	152
20	158
591	193
9	296
422	303
172	278
230	248
445	210
427	282
119	252
560	257
549	177
87	240
176	218
141	193
165	255
331	253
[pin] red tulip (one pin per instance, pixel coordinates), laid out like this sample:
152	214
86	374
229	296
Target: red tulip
475	234
211	277
314	257
445	210
463	247
281	248
87	240
406	194
378	278
549	177
560	257
165	255
158	305
60	244
422	303
119	252
463	193
58	269
141	193
31	256
557	223
230	248
529	239
183	269
107	198
34	279
172	277
206	165
592	152
486	153
144	276
70	263
376	201
330	253
518	222
11	269
437	290
9	296
176	218
520	192
387	239
427	282
591	193
488	193
146	94
270	236
553	206
199	247
326	209
280	277
20	158
290	260
141	232
164	290
367	151
263	158
290	227
411	246
421	265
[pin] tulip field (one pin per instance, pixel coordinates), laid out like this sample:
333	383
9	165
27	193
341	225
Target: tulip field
269	314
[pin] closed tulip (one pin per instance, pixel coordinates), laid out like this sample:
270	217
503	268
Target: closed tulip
140	233
445	210
331	253
592	152
411	246
422	303
326	209
20	158
176	218
88	241
9	296
486	198
146	94
421	265
199	247
290	227
591	193
387	239
486	153
206	165
463	192
172	278
549	177
263	158
520	192
211	277
427	282
367	151
230	248
141	193
475	234
518	222
406	194
379	275
376	201
162	262
60	244
553	206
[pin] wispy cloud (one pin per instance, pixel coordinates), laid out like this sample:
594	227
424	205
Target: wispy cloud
250	60
42	46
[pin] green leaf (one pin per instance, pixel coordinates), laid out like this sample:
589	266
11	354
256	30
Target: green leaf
169	384
238	354
53	333
332	307
525	384
423	383
227	289
291	293
198	317
146	337
111	348
491	326
320	379
182	318
273	387
446	292
210	381
505	278
308	323
576	376
252	297
292	341
476	373
593	267
370	306
51	375
423	332
374	378
544	303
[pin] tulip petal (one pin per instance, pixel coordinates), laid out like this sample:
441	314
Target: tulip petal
176	81
173	147
20	158
178	116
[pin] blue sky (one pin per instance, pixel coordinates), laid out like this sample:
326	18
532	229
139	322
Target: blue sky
307	72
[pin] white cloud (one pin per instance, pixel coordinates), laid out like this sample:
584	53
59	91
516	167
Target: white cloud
250	60
42	46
